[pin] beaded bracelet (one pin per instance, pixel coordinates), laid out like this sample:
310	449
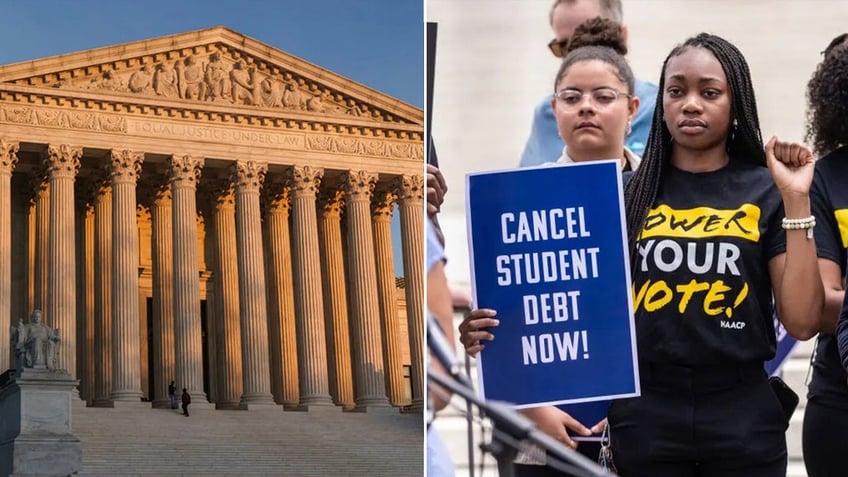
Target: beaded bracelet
806	223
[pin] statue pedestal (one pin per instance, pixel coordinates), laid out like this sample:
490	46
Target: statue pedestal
35	425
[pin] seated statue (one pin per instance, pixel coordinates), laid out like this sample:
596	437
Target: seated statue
35	343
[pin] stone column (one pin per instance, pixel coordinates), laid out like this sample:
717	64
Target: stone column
311	347
89	356
381	214
103	296
248	176
42	244
126	373
63	163
281	317
184	173
410	189
335	298
365	308
84	221
22	251
8	160
163	294
230	384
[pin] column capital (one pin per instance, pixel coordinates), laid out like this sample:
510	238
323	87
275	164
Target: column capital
125	165
38	179
184	170
249	175
359	184
8	155
330	202
304	180
383	203
62	161
410	188
151	186
86	193
222	193
162	194
276	196
142	212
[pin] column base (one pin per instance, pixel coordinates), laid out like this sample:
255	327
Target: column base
316	408
127	396
257	400
416	406
202	405
256	406
374	409
103	402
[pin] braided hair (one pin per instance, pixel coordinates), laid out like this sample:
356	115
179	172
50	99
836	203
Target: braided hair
744	143
827	99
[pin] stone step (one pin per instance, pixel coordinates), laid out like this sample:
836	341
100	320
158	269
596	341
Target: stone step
144	441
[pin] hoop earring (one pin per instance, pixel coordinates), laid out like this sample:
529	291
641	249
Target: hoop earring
628	129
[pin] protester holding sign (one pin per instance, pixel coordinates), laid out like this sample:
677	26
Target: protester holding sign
825	435
594	104
712	238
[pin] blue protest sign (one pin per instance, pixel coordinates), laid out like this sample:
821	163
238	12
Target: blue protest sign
548	253
785	345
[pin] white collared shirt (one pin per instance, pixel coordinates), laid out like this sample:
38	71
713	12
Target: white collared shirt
631	157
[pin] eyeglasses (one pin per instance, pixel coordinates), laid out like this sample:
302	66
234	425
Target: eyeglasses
601	97
558	46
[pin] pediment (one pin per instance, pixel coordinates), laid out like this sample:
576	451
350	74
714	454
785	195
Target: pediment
216	66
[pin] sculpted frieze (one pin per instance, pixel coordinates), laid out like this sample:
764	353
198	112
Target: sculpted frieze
228	78
370	147
62	118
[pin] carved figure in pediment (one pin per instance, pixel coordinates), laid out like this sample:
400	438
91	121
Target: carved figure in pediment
107	81
142	80
165	81
190	75
354	110
215	79
270	93
317	103
243	85
294	98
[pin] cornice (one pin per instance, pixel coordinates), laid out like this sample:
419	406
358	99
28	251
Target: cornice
127	58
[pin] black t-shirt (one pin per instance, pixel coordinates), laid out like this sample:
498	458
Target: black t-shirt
702	291
829	202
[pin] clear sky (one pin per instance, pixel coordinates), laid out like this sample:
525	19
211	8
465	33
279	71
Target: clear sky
378	43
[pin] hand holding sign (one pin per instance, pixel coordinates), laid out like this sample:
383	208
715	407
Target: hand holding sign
475	328
554	422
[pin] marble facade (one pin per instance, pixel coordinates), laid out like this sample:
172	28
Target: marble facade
207	209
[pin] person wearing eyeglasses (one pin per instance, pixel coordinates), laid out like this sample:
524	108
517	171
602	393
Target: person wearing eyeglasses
825	432
594	103
545	144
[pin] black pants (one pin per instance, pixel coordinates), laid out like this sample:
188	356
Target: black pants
588	449
700	422
825	439
185	409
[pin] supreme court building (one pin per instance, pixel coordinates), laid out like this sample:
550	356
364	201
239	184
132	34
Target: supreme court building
206	209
